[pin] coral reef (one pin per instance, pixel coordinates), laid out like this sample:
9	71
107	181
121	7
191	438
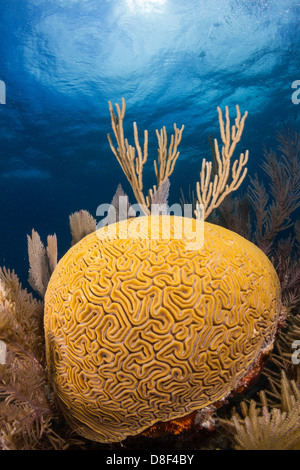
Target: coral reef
30	417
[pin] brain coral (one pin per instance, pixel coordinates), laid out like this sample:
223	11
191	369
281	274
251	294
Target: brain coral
140	331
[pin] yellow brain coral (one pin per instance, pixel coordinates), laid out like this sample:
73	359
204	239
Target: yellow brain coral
140	331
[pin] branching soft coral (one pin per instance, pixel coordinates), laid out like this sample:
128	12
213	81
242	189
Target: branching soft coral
286	261
282	358
21	317
274	216
25	412
28	415
262	428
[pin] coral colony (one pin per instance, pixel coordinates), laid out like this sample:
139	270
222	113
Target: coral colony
137	336
139	332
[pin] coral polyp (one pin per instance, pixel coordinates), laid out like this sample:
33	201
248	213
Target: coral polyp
140	331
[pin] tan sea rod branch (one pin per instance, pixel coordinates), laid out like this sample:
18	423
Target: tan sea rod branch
212	193
167	159
132	166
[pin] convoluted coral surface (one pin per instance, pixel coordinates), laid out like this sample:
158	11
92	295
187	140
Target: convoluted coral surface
140	331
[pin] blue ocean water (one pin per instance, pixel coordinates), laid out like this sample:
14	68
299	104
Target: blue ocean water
173	61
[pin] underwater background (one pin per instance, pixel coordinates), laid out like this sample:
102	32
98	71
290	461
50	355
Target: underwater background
172	61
